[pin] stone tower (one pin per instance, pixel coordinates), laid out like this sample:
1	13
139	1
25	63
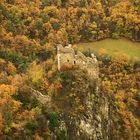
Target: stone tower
65	55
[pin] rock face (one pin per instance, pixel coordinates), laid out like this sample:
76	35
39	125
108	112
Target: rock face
93	124
87	126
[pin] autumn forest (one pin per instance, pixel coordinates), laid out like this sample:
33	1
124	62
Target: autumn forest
35	97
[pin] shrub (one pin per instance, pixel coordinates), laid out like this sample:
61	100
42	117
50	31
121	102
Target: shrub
53	121
66	67
38	25
10	26
31	126
10	1
36	73
46	2
87	53
84	3
35	103
56	26
115	35
66	77
137	64
62	135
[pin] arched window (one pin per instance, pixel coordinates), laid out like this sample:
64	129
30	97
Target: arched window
74	62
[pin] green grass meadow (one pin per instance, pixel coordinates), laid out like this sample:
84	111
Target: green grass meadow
113	47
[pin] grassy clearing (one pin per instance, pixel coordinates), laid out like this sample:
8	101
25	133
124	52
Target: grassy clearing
120	46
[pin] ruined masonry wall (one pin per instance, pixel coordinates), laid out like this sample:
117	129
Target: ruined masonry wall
66	55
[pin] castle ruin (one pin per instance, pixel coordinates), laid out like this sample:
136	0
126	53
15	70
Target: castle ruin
66	55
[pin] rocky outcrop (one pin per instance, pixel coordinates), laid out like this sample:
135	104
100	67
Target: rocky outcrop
87	126
42	98
93	124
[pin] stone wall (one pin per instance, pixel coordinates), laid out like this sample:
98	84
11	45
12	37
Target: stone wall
67	55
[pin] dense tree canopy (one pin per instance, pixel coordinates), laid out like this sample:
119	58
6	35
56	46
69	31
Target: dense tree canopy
29	32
